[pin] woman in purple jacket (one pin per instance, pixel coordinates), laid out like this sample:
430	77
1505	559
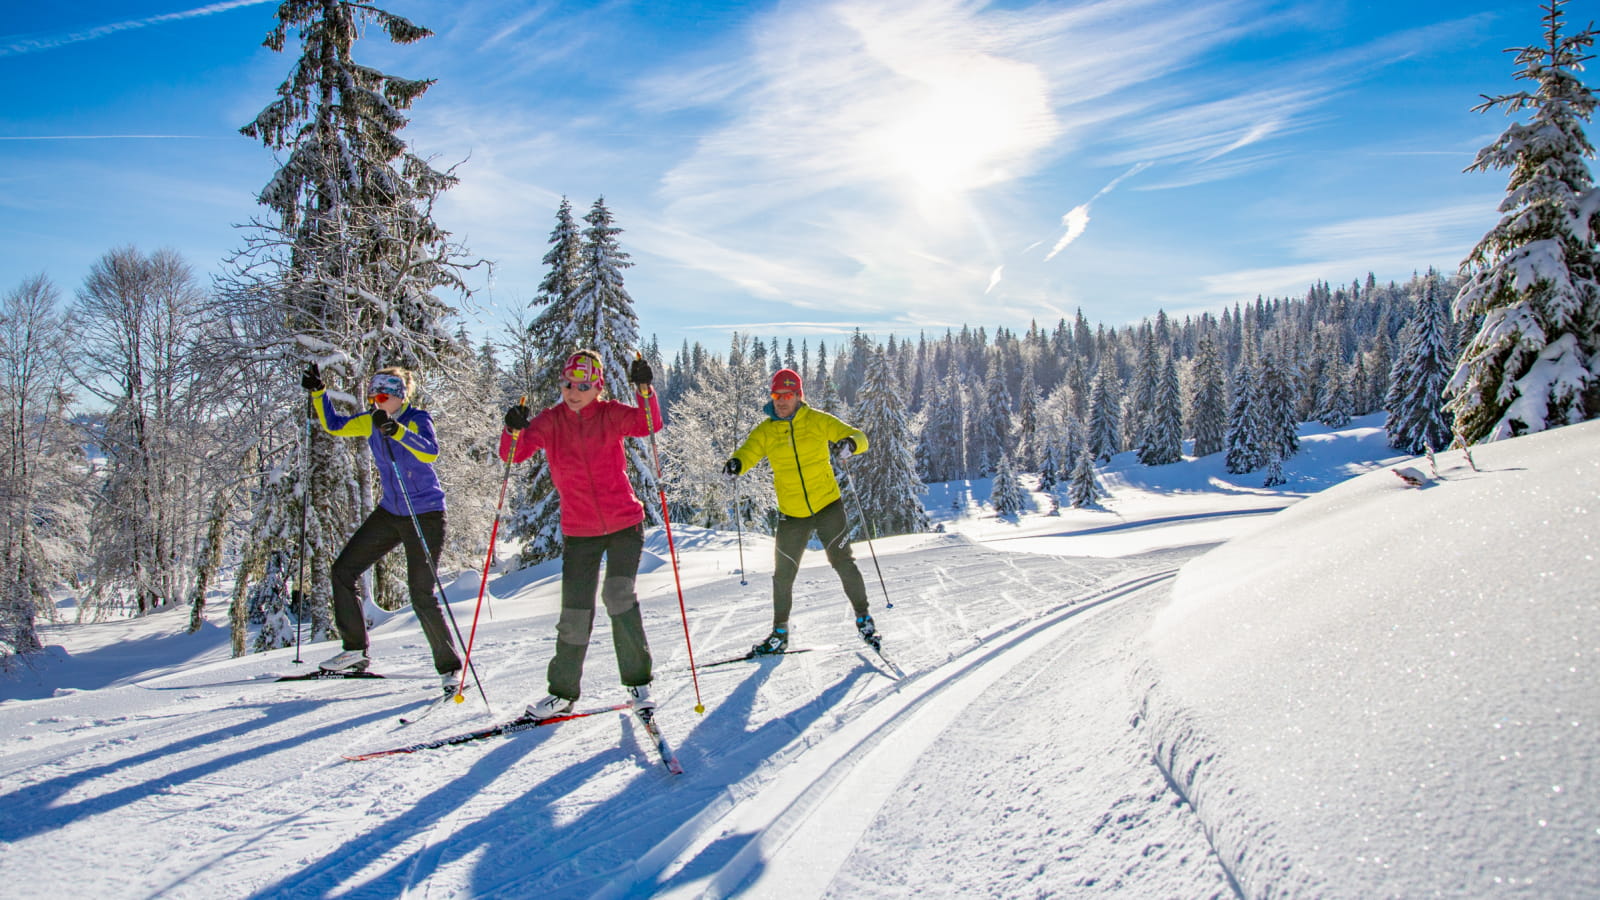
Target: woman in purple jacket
403	446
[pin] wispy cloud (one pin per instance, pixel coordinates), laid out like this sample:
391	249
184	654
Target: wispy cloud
21	45
1077	219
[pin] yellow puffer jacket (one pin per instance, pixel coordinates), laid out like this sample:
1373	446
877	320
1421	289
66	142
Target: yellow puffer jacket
797	449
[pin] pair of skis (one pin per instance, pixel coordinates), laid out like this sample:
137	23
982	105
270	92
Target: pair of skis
525	722
878	660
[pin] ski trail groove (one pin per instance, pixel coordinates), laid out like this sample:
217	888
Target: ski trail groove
828	796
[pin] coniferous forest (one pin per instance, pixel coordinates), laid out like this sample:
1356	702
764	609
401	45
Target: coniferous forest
162	446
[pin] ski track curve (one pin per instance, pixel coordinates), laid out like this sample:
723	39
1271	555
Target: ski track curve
828	796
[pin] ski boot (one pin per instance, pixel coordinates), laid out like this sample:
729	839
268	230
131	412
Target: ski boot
548	708
639	697
350	661
776	642
869	633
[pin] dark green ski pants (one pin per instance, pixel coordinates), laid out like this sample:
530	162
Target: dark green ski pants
794	532
580	576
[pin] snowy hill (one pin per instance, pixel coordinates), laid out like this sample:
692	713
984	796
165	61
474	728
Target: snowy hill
1376	691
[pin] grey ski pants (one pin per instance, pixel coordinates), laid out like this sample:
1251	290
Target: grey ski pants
794	532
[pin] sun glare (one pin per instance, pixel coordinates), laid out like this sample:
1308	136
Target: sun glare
961	125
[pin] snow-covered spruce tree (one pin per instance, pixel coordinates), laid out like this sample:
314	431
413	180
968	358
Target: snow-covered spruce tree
884	481
939	449
468	409
989	423
1163	434
1208	408
41	479
1105	438
1275	400
1535	278
1141	395
1246	433
1417	419
1334	403
1026	435
345	275
1005	494
1084	490
533	510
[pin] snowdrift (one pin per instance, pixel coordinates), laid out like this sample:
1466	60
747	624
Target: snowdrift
1387	687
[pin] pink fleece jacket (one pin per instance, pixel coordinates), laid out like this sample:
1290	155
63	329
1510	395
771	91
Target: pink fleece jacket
587	463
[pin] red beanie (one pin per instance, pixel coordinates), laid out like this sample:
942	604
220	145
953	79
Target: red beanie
787	381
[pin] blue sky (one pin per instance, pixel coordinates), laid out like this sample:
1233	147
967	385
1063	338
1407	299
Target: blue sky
799	169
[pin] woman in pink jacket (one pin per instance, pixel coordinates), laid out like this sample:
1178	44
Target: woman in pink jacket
600	516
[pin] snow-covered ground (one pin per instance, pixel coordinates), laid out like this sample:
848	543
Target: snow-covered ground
1342	687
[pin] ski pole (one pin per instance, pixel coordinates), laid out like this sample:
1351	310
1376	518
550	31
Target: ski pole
866	530
298	596
738	524
672	553
489	559
444	599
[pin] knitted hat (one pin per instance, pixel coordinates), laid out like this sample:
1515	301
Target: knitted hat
787	381
581	367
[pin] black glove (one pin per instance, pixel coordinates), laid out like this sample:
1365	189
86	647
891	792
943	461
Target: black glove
517	418
733	466
382	422
639	372
312	379
847	447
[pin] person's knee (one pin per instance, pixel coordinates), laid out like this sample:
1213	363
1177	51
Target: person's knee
618	595
574	626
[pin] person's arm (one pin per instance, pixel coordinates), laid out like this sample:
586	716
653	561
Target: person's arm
417	437
838	430
644	418
359	425
752	451
527	441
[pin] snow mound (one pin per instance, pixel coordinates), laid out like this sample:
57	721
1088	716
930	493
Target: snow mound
1388	681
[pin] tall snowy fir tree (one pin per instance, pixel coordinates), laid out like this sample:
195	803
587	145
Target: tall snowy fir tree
1163	430
1005	493
939	448
1417	418
356	260
884	480
709	423
1275	396
1535	278
1104	439
1083	490
534	511
1334	403
988	423
1246	450
1208	409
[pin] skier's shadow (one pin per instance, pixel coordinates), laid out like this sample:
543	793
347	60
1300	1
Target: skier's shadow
52	812
526	848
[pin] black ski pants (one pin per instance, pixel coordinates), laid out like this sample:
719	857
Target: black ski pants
794	532
580	576
380	533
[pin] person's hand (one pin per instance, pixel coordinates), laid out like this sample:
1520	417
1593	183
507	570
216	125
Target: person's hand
517	418
846	446
733	466
312	379
382	422
639	372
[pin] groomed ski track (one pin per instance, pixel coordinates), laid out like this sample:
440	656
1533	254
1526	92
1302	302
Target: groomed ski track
795	778
807	821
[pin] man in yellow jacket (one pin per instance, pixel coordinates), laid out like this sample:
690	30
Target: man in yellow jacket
795	440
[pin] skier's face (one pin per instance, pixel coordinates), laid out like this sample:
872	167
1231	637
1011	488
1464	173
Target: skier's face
389	404
785	403
578	394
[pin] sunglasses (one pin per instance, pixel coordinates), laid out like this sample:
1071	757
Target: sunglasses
380	398
581	388
782	395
